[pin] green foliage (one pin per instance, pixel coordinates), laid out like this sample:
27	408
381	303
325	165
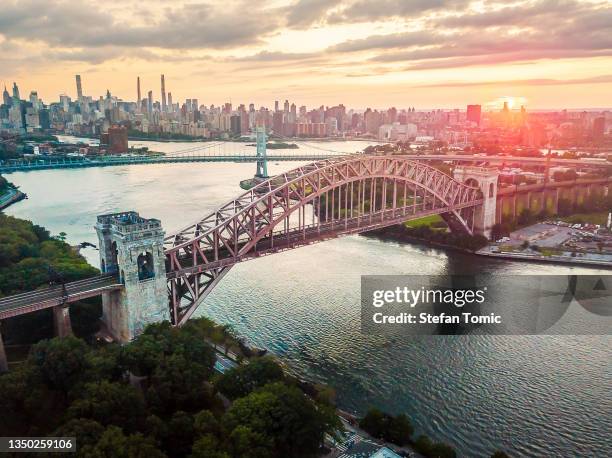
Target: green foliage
27	252
403	233
397	430
429	449
61	362
208	446
114	443
278	418
110	403
246	378
178	384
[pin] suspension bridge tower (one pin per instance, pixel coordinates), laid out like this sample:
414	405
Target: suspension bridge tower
262	159
261	174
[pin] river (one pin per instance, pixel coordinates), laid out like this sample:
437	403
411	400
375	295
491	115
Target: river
531	396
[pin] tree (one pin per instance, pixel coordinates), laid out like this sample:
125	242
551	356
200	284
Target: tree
61	362
441	450
88	432
281	419
374	422
115	444
208	446
179	384
111	403
206	423
399	430
242	380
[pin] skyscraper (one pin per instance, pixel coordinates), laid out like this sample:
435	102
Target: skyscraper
473	113
6	98
150	102
163	93
16	92
79	88
138	90
170	107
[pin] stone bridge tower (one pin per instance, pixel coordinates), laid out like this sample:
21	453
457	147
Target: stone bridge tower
486	180
132	248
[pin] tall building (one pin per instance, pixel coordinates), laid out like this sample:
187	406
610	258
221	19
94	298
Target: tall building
79	88
138	90
163	93
170	107
16	92
150	102
6	98
599	127
116	139
473	113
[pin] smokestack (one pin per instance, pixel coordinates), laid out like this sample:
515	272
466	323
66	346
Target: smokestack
79	88
163	93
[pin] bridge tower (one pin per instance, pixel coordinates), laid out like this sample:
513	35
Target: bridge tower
262	159
132	248
486	180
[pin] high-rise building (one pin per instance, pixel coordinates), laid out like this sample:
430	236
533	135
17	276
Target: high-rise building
16	92
138	90
473	113
163	93
117	140
235	124
150	102
276	105
6	98
79	88
170	107
599	127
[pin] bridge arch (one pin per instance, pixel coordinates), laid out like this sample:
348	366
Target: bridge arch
247	227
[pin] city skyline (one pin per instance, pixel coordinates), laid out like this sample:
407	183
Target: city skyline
442	54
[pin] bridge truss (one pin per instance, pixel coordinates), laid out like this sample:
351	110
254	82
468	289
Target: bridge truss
312	203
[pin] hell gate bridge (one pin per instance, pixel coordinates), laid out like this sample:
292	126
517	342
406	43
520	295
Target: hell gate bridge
149	276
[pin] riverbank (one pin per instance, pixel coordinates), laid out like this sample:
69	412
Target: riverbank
538	258
10	197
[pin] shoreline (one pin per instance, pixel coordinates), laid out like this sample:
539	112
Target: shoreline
545	259
558	260
10	198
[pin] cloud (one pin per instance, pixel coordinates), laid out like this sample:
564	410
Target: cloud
368	10
397	40
601	79
85	24
267	56
304	13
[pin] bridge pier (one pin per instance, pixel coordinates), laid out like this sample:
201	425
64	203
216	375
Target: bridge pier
486	180
3	359
61	321
133	248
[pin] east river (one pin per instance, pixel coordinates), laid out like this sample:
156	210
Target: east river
530	396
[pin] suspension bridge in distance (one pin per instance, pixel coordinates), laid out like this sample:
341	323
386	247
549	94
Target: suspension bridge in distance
83	162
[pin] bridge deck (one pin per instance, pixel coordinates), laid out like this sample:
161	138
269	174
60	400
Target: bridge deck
39	299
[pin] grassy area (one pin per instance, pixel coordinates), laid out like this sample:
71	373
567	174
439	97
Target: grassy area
581	218
426	221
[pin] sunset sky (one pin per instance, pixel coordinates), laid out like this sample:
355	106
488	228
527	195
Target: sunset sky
363	53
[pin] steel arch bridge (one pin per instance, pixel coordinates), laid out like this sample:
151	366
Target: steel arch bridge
316	202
